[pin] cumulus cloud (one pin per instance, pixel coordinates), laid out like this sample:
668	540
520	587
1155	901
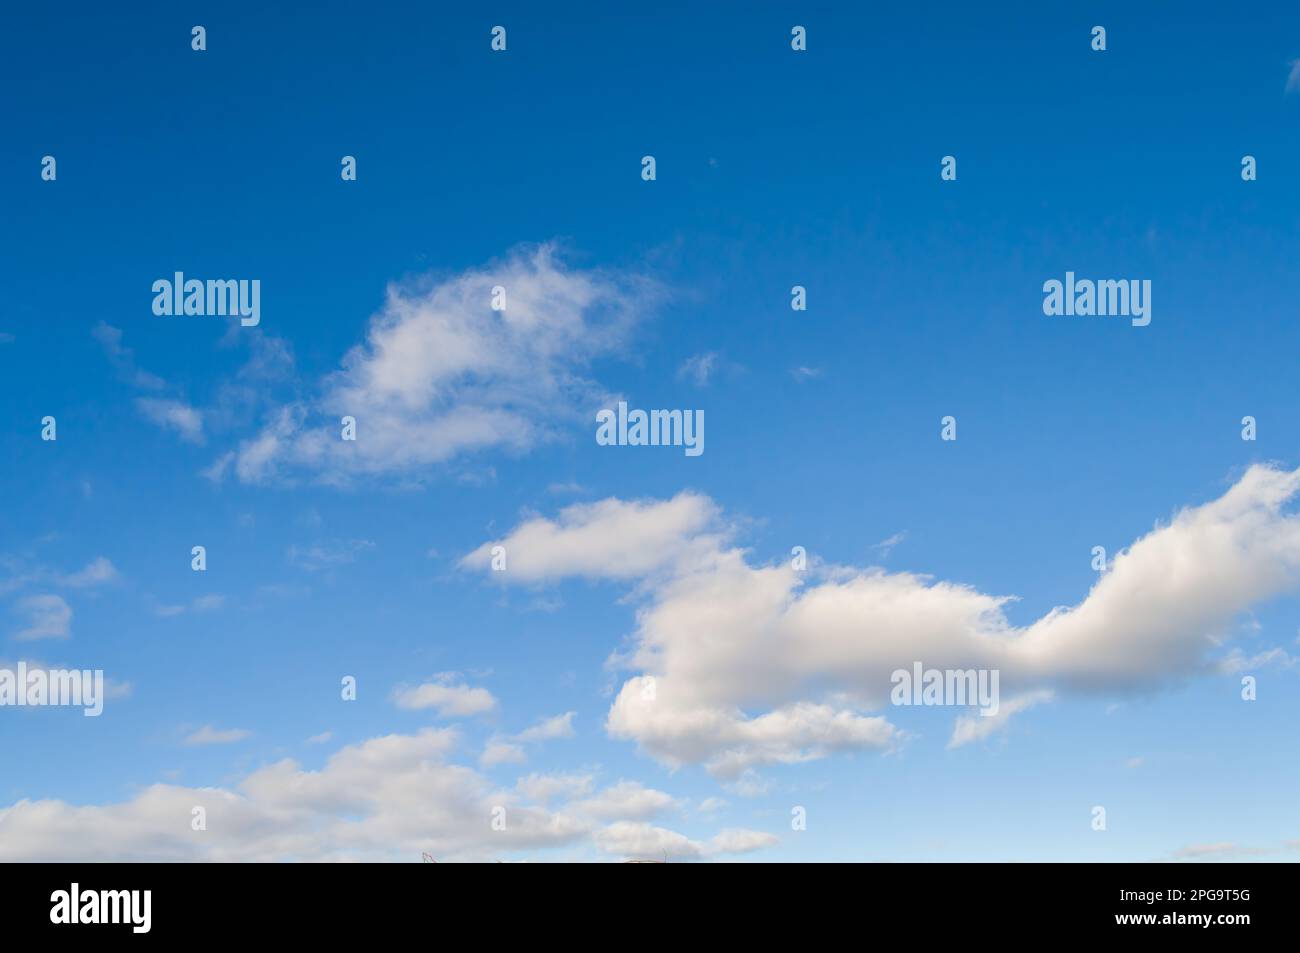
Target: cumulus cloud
626	800
449	698
641	841
497	752
743	664
611	539
388	798
441	373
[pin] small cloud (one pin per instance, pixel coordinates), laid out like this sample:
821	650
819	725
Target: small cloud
1237	661
48	617
1223	850
802	374
96	572
444	695
173	415
321	738
123	359
563	488
699	368
201	604
980	727
1293	79
327	555
207	735
884	547
560	726
1135	762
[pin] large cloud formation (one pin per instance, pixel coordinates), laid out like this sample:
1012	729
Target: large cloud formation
388	798
740	665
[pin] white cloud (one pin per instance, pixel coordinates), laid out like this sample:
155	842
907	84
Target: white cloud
510	749
206	603
886	546
328	554
611	539
699	368
97	572
497	752
549	729
1293	78
640	841
544	788
207	735
123	358
441	374
173	415
626	800
48	617
979	727
388	798
1224	850
448	698
1236	661
744	664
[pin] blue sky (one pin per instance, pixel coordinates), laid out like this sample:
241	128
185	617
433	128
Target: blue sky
775	168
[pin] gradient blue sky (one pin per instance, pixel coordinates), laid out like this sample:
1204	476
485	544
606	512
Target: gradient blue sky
774	169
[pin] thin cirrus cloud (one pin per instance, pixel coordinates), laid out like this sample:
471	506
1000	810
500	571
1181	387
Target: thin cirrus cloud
832	636
440	373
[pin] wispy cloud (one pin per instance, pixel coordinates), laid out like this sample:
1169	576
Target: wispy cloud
441	374
699	368
48	617
207	735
